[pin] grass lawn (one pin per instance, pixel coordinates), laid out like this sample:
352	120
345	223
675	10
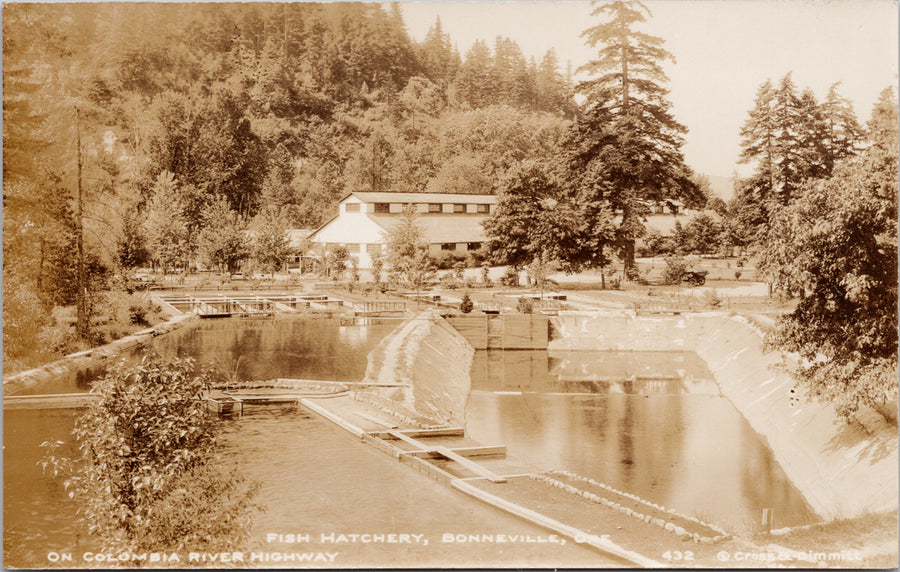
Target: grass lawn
874	535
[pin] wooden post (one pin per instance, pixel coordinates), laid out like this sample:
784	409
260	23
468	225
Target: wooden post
81	325
768	517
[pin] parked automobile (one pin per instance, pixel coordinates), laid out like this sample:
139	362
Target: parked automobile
694	278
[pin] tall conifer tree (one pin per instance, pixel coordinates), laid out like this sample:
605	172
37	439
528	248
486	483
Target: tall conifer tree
627	135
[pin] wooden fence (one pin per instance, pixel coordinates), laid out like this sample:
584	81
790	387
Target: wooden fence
704	304
504	331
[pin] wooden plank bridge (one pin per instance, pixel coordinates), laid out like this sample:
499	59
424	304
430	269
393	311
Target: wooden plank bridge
251	305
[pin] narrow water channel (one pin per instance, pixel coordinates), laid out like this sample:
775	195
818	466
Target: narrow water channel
650	423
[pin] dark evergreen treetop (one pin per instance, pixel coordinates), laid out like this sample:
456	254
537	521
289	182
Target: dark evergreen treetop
626	144
626	121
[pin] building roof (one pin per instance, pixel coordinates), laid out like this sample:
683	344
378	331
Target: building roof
297	236
440	228
422	198
665	222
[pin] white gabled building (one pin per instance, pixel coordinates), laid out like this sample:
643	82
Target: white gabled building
450	222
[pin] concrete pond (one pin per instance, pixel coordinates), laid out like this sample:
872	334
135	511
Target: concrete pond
681	412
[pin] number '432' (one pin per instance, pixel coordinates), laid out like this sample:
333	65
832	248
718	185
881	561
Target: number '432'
675	555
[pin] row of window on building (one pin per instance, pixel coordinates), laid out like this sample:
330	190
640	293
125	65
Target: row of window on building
356	248
455	208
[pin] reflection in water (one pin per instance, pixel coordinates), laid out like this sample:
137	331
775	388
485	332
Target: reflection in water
650	423
301	347
37	514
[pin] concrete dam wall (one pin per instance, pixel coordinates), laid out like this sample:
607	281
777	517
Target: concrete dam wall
842	470
432	361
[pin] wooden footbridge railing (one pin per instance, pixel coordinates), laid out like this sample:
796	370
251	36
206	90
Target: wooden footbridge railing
247	305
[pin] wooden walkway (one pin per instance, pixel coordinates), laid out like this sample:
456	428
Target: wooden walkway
218	400
53	401
249	305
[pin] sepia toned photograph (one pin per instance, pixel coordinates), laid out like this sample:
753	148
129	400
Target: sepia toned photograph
527	284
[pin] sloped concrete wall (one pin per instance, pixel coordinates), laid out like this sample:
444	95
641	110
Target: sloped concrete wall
432	360
842	470
94	359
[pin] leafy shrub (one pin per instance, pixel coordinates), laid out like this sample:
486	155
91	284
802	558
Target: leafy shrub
466	305
485	276
144	473
525	305
58	337
447	259
459	270
338	261
118	314
654	243
475	258
450	282
510	277
23	319
675	269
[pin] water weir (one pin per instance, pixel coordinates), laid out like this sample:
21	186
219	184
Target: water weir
431	362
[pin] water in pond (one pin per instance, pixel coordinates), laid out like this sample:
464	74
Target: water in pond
258	348
37	514
315	478
651	423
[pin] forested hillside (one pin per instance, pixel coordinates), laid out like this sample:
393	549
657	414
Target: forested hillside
198	121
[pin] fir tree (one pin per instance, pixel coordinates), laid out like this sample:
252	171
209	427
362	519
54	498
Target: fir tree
475	84
835	248
627	135
843	135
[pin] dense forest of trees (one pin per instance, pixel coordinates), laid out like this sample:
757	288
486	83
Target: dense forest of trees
188	127
833	245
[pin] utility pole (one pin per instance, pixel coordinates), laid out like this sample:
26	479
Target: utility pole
81	311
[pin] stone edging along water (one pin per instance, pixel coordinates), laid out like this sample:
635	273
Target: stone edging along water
92	358
671	520
841	470
427	351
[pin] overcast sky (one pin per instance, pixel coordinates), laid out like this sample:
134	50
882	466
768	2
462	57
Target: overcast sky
724	50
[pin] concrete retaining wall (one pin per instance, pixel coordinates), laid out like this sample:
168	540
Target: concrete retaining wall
433	360
90	360
841	470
